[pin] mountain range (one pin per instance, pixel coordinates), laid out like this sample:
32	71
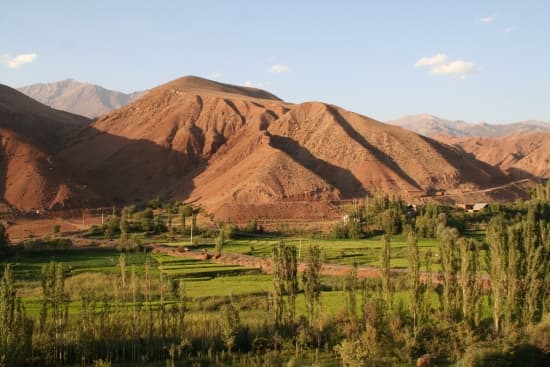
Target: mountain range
80	98
239	152
432	126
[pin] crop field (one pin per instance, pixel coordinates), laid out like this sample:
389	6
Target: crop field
204	281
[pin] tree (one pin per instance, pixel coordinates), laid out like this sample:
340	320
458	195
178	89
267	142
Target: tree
449	267
312	282
14	325
122	267
498	267
536	259
4	241
55	303
416	287
350	292
285	282
385	269
220	241
185	211
469	281
231	325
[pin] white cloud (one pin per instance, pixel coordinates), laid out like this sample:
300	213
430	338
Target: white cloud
278	69
489	19
17	61
215	75
458	67
508	29
439	64
431	60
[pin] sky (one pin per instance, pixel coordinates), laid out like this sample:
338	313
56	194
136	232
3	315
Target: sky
471	60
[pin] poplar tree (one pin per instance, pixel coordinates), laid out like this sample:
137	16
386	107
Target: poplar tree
535	265
449	267
385	257
469	280
416	287
498	267
15	328
285	267
350	291
4	241
312	282
122	267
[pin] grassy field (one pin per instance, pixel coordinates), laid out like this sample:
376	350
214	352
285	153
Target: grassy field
362	251
95	268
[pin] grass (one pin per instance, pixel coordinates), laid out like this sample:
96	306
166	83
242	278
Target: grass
364	252
95	267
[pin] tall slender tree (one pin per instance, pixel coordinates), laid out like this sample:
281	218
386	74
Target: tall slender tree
498	267
385	257
312	282
415	284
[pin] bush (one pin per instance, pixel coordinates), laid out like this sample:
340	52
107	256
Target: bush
339	232
485	356
56	244
540	336
94	231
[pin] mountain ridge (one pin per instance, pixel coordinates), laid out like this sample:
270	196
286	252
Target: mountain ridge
81	98
430	125
244	153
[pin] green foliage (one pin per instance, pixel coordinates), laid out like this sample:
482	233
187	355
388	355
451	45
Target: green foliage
15	327
111	227
4	241
231	325
46	244
312	282
385	213
339	231
220	241
285	283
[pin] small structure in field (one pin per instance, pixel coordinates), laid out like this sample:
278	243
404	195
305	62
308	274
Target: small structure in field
479	207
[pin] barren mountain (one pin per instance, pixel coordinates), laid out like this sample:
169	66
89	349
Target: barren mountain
80	98
521	155
429	125
243	152
31	176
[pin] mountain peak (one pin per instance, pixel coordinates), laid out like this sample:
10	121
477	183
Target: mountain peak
198	85
73	96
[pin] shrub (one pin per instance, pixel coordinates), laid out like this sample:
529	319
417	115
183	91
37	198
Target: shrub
485	356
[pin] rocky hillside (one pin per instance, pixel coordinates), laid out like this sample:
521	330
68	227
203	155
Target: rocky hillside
521	155
31	174
239	150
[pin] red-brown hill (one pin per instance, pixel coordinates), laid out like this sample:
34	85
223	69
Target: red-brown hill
521	155
31	176
242	152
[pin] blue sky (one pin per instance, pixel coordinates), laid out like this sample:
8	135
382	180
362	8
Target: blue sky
473	60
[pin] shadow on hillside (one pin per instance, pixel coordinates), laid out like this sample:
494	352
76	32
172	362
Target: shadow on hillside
342	179
124	170
383	157
3	173
472	169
